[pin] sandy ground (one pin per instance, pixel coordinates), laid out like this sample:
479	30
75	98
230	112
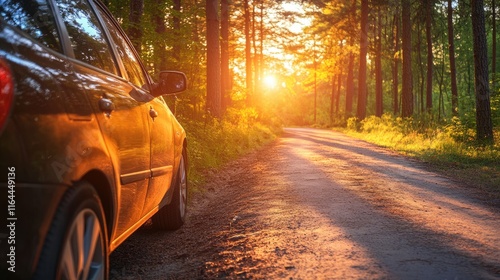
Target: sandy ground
317	204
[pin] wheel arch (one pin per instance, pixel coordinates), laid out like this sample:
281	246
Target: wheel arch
184	150
104	190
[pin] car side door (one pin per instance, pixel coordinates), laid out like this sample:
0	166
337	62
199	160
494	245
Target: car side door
159	119
119	107
162	152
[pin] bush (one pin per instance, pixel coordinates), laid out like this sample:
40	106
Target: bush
353	124
213	142
460	131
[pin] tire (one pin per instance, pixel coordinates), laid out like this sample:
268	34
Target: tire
173	215
76	246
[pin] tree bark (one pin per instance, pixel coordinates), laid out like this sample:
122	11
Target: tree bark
213	59
441	85
419	100
225	74
395	66
332	99
160	45
135	29
339	85
453	68
494	42
430	56
257	81
349	86
176	20
407	94
248	54
484	125
379	100
363	50
315	80
261	50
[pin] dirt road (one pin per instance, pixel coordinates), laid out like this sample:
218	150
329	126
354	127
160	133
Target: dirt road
319	205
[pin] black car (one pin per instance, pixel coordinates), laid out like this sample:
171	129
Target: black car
89	150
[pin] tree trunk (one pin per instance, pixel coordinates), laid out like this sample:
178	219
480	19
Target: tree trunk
261	51
315	80
135	29
248	54
419	101
349	95
332	99
494	42
430	56
395	66
213	60
339	85
379	102
194	78
441	85
363	50
407	95
176	19
484	126
453	69
160	45
225	76
257	81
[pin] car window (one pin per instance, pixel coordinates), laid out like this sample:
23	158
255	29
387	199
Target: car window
86	35
125	51
35	18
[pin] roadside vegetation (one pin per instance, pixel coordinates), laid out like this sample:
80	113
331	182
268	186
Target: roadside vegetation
213	142
449	146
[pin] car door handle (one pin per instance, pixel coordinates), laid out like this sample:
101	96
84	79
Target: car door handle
152	113
106	105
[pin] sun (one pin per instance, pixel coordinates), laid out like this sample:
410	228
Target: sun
270	81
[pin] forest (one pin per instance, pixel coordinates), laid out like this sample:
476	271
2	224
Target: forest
417	76
326	62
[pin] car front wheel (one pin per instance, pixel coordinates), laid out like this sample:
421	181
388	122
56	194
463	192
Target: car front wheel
173	215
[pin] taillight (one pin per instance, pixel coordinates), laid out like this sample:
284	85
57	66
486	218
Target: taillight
6	92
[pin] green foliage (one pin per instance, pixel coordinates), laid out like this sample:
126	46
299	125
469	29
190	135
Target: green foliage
212	143
460	131
353	124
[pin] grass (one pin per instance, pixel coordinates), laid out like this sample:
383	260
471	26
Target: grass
448	147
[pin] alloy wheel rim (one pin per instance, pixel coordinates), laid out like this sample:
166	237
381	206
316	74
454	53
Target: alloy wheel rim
83	251
183	188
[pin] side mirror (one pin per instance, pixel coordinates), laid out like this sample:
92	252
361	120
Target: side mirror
171	82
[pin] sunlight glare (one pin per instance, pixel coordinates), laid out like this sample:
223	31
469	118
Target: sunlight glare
270	81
